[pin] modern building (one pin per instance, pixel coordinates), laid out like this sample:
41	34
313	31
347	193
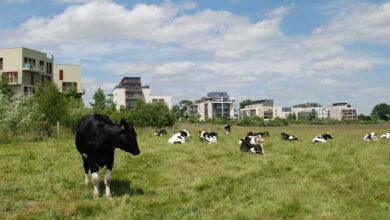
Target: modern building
215	105
66	76
130	90
154	99
341	111
25	68
264	109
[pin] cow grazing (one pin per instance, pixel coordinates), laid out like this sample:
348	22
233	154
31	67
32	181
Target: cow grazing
179	138
370	137
386	135
227	129
160	132
288	137
246	146
96	139
322	138
208	137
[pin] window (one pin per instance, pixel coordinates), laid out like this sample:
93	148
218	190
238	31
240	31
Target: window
49	67
29	90
30	63
41	66
1	63
12	77
61	74
32	78
67	85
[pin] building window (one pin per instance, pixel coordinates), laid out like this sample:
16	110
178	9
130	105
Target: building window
12	77
29	63
29	90
1	63
32	79
49	68
61	74
41	66
67	85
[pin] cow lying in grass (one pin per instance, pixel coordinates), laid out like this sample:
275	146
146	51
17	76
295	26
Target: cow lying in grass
288	137
252	138
208	137
322	138
386	135
160	132
179	138
246	146
370	137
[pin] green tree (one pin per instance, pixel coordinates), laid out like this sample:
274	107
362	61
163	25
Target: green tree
99	101
151	114
52	104
382	111
5	88
245	103
181	110
73	94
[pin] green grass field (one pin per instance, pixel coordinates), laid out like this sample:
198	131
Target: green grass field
345	178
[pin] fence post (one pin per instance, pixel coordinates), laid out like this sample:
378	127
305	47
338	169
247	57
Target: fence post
58	128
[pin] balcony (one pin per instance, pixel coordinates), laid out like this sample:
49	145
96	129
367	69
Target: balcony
31	67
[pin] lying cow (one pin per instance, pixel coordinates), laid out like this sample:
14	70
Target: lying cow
227	129
160	132
370	137
386	135
322	138
96	139
179	138
252	138
208	137
288	137
246	146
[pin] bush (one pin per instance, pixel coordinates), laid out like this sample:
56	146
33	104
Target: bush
151	114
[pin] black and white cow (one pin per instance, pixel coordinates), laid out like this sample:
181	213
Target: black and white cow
370	137
208	137
322	138
386	135
227	129
252	138
96	139
288	137
179	138
160	132
246	146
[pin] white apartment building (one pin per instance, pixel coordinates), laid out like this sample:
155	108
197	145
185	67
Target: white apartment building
338	111
66	76
130	90
341	111
215	105
25	68
264	109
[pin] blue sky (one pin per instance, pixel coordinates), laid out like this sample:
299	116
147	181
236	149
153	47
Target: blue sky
291	51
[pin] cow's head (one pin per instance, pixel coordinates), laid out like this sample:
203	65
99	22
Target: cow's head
184	133
128	138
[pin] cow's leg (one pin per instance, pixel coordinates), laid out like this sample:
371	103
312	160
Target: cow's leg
86	169
95	179
107	177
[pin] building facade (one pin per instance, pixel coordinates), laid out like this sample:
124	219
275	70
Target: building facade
66	76
215	105
25	68
130	90
264	109
341	111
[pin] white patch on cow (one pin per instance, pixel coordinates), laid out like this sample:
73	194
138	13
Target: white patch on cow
386	135
95	182
176	138
107	180
252	150
319	139
86	181
85	155
290	137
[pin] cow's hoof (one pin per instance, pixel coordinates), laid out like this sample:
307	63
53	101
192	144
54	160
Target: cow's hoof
96	194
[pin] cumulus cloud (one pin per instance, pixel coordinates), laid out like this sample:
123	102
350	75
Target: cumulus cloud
207	50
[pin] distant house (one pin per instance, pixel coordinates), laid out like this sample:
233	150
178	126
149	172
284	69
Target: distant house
26	68
130	90
264	109
214	105
341	111
337	111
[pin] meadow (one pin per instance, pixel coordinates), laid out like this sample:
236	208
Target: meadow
345	178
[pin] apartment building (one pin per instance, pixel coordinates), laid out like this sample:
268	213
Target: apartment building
264	109
130	90
341	111
25	68
154	98
215	105
66	76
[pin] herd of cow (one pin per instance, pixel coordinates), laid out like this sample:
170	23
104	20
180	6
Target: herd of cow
97	137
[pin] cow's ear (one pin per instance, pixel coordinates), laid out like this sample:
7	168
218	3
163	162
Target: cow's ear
123	124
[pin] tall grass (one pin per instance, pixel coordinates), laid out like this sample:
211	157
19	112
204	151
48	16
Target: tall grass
345	178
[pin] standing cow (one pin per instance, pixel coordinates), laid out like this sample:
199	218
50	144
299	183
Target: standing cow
96	139
227	129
